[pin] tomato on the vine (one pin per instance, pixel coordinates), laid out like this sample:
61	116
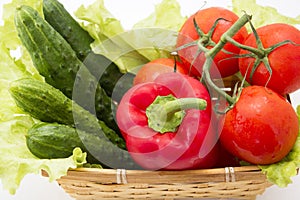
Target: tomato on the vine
284	60
226	64
261	128
152	69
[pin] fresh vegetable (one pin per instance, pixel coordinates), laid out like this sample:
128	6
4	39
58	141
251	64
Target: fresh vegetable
34	96
206	27
104	28
63	22
158	133
151	70
48	104
80	40
16	161
280	173
108	73
261	128
13	121
274	62
57	62
52	140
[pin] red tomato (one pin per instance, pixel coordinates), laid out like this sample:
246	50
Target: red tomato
226	64
284	61
151	70
261	128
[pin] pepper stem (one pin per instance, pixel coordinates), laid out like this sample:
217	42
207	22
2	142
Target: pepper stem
166	113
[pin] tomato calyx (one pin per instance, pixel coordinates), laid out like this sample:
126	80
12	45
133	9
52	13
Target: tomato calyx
166	113
205	39
260	54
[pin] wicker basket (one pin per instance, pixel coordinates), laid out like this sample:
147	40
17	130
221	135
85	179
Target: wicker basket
230	182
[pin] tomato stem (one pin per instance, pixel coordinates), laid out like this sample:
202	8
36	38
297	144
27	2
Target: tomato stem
165	114
259	52
211	53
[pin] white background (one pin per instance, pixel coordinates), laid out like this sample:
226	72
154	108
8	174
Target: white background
35	187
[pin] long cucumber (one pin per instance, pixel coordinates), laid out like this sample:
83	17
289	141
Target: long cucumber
55	59
79	39
62	21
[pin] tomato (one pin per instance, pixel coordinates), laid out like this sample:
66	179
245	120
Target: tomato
284	60
261	128
224	61
151	70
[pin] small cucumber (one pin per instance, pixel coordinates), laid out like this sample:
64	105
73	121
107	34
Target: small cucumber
55	59
48	104
101	67
52	140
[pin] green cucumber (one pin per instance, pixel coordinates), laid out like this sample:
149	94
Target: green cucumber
48	104
62	21
55	59
79	39
52	140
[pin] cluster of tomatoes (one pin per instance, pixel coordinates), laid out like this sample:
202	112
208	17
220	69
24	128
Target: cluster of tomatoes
259	125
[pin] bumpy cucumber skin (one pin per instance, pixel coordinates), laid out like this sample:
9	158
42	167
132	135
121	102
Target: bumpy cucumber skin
61	20
79	39
52	140
48	104
55	59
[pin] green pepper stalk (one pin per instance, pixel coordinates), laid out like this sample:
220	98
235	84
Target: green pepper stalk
165	114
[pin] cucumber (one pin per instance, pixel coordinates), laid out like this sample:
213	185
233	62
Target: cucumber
48	104
79	39
55	59
53	140
62	21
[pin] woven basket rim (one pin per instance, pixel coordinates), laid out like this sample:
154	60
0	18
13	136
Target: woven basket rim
93	183
206	171
122	176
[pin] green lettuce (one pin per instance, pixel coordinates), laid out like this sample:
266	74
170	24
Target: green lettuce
151	38
262	15
280	173
16	160
166	15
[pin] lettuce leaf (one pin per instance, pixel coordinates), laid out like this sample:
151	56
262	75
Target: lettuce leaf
262	15
151	38
8	31
16	160
104	28
166	15
280	173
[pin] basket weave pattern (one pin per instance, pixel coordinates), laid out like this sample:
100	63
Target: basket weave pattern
235	183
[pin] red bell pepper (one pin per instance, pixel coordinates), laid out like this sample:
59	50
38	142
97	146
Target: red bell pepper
167	124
